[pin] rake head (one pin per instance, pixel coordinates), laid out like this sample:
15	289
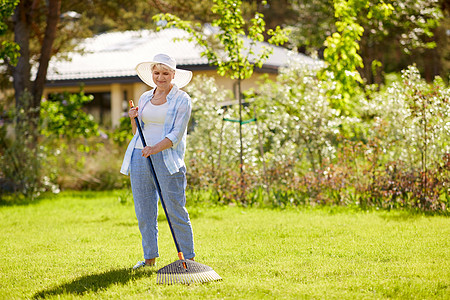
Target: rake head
186	272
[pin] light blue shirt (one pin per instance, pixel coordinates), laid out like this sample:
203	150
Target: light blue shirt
175	129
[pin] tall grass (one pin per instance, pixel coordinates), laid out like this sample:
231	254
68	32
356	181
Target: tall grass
84	244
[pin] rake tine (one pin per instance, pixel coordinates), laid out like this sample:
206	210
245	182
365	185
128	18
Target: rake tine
186	272
196	278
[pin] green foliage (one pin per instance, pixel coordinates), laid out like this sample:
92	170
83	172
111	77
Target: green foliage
20	161
411	123
9	51
414	115
6	10
65	131
122	134
80	156
226	48
297	117
428	115
313	154
342	49
324	139
417	20
62	112
395	32
392	154
313	23
382	163
211	147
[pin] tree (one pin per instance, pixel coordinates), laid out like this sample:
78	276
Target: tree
23	22
314	22
406	34
342	52
40	30
9	51
388	44
226	47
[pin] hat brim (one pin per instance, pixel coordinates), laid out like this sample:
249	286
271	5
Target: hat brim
144	71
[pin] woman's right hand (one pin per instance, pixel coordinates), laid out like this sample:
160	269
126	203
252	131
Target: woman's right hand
133	112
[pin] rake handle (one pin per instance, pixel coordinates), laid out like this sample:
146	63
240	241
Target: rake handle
158	187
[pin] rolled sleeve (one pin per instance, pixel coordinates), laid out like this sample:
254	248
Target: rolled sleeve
181	120
173	138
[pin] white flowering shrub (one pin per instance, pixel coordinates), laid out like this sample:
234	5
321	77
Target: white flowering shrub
392	150
410	130
213	147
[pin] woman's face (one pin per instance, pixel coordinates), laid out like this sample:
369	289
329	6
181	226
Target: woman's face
162	76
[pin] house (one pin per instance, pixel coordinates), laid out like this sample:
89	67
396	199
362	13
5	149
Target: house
106	68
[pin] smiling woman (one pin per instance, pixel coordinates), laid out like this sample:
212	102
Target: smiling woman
164	113
162	76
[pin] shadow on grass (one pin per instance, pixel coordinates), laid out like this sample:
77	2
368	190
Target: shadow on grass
94	282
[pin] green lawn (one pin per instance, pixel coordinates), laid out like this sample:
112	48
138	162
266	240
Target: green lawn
83	245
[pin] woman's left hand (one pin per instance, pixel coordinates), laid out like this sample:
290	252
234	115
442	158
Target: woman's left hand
149	150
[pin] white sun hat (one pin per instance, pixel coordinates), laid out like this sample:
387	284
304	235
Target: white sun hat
144	71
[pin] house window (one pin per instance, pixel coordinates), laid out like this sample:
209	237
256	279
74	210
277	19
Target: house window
100	108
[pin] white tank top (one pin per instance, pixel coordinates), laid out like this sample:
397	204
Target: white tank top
153	117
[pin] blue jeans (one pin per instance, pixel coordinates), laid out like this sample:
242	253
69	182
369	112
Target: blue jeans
145	197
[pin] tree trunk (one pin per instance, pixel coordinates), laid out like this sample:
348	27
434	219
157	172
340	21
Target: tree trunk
23	21
54	8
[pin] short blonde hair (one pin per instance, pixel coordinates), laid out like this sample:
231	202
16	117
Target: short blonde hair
163	66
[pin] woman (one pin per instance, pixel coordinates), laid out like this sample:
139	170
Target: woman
163	113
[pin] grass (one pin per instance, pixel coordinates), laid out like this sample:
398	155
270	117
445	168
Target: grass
82	245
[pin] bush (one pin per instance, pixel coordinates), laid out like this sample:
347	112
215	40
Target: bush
390	152
72	152
21	159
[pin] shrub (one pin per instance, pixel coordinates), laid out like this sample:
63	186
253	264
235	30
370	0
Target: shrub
67	136
21	160
212	152
313	154
391	152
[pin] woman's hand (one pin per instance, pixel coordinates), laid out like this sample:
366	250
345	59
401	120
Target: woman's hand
149	150
133	112
161	146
